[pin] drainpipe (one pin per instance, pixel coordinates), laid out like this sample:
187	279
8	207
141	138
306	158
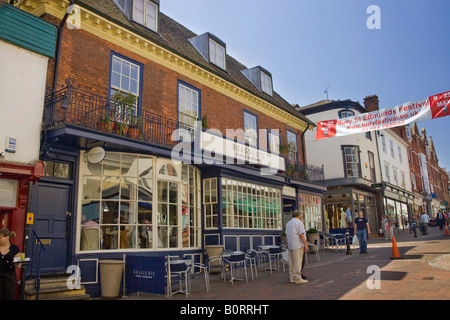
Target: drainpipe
303	145
58	45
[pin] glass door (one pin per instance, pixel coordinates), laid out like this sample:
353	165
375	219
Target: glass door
167	215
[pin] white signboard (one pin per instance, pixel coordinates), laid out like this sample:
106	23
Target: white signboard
96	155
8	193
233	150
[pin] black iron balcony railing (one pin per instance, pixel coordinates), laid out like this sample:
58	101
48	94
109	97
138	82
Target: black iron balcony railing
305	172
74	106
71	105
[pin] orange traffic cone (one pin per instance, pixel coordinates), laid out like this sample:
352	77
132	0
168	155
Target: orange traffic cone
395	253
446	229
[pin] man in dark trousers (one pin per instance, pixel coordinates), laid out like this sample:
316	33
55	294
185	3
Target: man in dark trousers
440	220
362	230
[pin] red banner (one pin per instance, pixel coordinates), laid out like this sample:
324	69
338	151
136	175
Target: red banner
436	106
439	105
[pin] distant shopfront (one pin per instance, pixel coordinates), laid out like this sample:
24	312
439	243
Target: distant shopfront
341	203
398	203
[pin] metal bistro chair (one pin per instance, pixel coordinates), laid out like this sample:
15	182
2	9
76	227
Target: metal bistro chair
314	248
251	259
275	255
202	268
179	272
214	263
236	261
334	241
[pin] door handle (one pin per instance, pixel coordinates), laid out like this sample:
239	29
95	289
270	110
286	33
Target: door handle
68	221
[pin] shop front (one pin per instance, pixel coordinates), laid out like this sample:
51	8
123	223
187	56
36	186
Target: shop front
398	203
342	206
241	208
307	197
16	181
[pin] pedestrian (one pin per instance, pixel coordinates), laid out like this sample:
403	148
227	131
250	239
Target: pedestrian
362	229
425	220
390	223
412	225
384	227
419	221
8	252
297	246
440	220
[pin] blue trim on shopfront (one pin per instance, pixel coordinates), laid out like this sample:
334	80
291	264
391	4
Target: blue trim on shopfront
66	141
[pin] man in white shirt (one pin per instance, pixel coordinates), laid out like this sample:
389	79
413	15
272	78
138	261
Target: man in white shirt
297	245
425	220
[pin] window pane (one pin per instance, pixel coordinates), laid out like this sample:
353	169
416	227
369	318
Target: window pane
116	65
125	77
115	80
134	72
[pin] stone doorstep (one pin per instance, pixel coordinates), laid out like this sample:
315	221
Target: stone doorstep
53	289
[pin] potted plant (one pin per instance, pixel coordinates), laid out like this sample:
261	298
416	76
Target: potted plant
205	122
283	237
125	108
104	123
134	127
283	148
120	128
312	235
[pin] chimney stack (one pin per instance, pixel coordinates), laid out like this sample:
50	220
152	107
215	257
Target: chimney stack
371	103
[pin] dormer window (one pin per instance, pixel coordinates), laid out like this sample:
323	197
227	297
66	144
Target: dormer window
346	113
145	12
216	54
261	79
266	83
211	48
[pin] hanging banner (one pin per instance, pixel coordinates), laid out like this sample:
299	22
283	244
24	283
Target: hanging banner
436	106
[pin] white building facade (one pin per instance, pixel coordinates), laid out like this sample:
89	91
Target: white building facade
351	166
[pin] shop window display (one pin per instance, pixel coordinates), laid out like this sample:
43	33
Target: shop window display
119	200
250	206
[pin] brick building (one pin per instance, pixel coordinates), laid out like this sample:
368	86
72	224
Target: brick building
128	89
428	186
429	179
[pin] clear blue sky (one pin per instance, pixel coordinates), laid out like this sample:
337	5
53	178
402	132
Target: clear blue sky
309	45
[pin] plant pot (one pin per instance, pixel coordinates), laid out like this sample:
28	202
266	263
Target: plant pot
104	126
134	133
312	237
120	129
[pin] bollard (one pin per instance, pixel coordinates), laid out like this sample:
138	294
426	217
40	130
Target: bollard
347	241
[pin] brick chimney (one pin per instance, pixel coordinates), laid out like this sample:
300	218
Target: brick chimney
371	103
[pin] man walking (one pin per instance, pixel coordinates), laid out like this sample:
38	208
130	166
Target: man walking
425	220
440	220
297	245
362	230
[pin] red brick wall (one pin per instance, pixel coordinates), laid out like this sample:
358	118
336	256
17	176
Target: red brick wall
86	59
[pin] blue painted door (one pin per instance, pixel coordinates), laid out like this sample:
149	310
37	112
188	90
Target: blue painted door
51	223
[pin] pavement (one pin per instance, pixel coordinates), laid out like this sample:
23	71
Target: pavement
422	272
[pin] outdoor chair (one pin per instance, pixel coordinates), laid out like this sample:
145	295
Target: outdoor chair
251	258
275	256
202	268
235	262
179	272
314	247
214	263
